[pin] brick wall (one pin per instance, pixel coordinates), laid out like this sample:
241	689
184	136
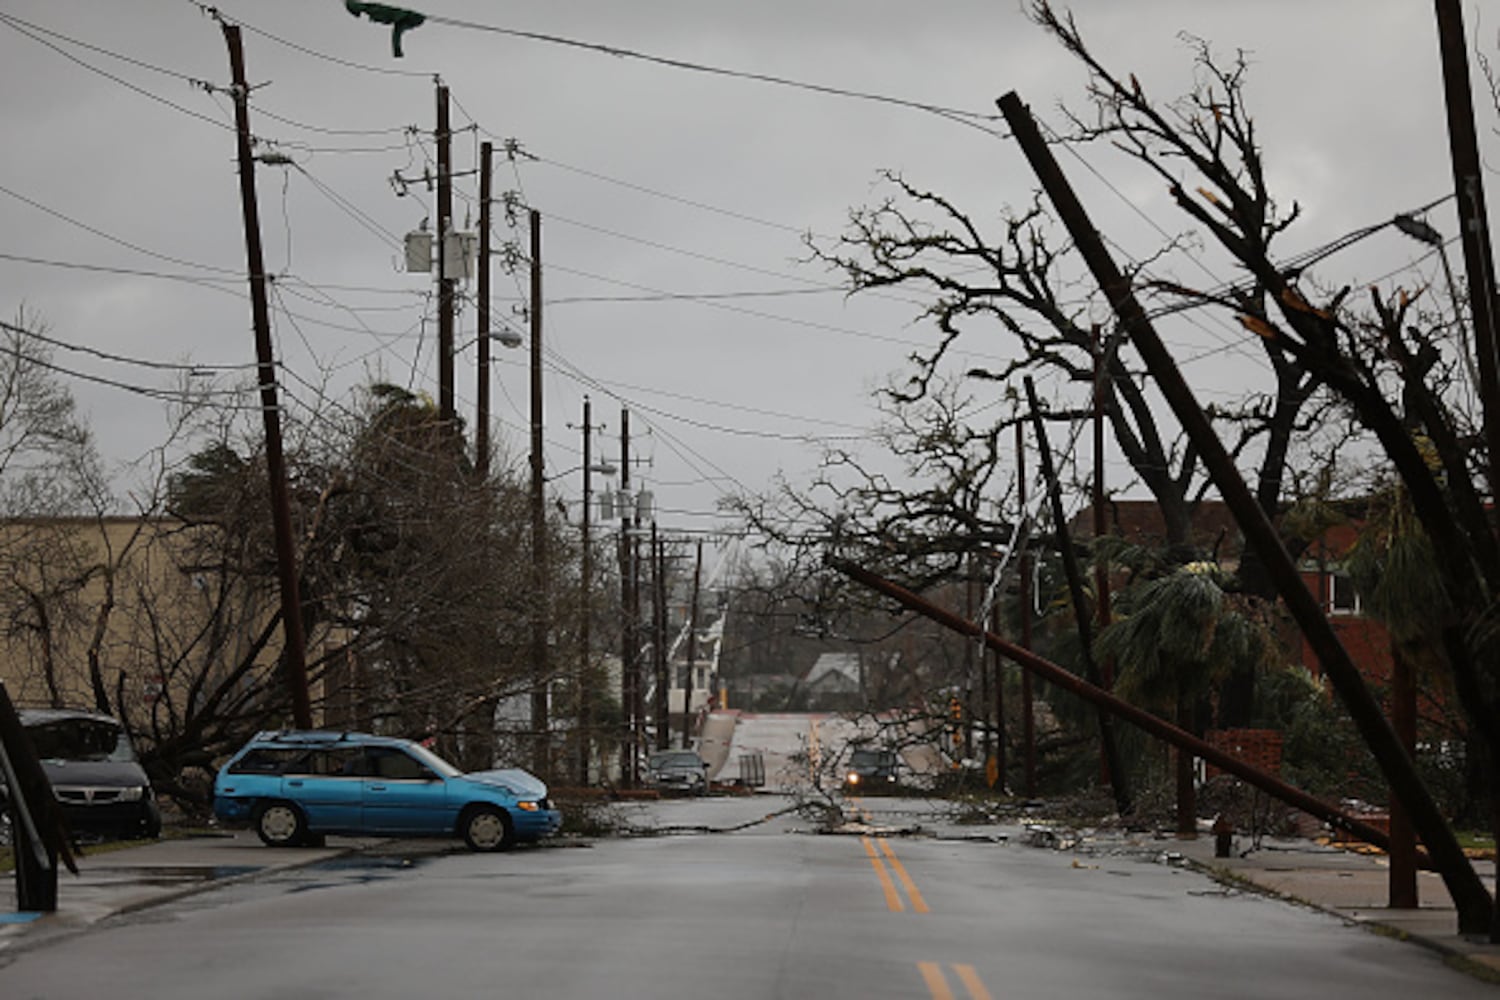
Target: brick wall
1260	748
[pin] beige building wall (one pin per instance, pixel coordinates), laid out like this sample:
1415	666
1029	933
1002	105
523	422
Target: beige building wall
145	592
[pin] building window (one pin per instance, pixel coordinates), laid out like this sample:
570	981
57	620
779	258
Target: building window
1343	599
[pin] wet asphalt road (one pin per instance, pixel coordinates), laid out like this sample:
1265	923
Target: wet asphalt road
770	911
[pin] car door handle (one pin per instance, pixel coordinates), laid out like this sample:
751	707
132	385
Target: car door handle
377	788
295	783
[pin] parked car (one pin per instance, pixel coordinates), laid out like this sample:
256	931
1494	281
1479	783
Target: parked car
95	775
294	787
677	771
871	770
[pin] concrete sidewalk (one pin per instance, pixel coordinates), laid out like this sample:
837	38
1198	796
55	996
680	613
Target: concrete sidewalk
1347	884
121	880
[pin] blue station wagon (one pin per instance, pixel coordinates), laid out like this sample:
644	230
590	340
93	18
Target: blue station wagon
294	787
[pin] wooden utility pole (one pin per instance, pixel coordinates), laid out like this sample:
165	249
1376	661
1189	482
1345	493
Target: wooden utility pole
540	598
964	742
1102	613
585	594
445	284
1402	884
1473	219
1028	709
1139	717
482	345
997	669
661	704
692	651
1113	769
629	644
293	653
1471	898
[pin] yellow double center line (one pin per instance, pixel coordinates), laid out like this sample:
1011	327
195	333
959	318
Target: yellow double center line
892	897
937	984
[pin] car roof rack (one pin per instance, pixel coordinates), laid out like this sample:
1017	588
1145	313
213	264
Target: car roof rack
304	736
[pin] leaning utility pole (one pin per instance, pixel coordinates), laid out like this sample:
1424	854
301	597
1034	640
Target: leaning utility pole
540	604
1473	218
293	654
445	284
482	309
1470	896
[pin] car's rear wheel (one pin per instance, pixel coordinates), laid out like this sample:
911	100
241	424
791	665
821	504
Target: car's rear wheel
280	824
487	828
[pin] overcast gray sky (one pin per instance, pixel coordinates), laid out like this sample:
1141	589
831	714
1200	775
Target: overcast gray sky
656	184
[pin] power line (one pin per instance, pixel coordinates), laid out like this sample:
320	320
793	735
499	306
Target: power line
717	304
972	119
11	23
219	14
191	369
112	238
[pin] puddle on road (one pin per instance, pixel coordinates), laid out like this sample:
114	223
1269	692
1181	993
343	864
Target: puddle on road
162	875
367	862
353	869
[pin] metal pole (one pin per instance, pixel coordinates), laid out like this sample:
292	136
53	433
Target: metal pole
293	652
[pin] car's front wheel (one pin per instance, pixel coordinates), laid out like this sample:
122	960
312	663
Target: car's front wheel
280	824
487	828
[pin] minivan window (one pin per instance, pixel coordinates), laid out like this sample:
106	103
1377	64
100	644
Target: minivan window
80	740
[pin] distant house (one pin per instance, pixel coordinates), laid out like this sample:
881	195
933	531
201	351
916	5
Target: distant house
834	674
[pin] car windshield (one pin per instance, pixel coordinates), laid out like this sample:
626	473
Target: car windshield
871	758
667	761
80	740
433	761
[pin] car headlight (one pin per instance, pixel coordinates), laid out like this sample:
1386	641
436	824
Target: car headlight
530	807
132	794
853	778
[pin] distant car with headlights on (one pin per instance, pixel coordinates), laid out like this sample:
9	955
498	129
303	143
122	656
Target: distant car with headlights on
95	775
677	771
294	787
870	771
